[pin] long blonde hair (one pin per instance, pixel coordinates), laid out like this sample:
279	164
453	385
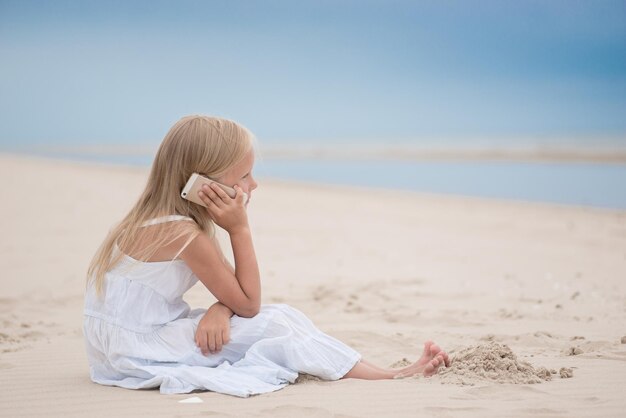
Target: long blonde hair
195	143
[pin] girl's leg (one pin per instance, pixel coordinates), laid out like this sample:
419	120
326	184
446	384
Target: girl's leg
432	358
364	370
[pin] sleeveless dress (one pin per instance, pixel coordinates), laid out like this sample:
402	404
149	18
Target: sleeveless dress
141	334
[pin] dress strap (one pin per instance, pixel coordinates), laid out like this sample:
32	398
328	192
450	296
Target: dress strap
163	219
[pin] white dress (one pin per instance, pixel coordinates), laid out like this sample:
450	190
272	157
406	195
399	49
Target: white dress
141	335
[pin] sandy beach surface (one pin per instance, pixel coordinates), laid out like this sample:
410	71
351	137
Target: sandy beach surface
381	270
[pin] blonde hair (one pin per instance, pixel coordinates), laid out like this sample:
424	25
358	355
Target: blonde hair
195	143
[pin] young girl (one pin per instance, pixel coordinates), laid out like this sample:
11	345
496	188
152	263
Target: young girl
140	333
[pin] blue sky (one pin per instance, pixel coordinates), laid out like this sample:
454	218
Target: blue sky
123	71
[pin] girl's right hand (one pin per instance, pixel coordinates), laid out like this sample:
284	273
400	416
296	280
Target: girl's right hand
228	213
214	329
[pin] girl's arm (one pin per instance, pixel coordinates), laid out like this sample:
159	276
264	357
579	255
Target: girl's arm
213	330
240	291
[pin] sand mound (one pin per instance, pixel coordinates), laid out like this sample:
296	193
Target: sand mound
304	377
491	362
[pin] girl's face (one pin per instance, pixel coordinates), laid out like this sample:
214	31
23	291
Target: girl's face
241	175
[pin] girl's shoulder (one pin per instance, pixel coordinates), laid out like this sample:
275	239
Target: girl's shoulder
162	238
168	227
168	220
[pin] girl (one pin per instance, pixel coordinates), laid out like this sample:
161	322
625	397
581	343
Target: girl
140	333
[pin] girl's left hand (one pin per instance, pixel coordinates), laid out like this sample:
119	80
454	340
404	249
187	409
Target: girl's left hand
214	329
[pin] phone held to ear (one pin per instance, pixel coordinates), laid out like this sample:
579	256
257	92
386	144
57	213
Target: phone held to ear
195	183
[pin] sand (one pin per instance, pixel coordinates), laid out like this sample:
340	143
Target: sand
492	362
381	270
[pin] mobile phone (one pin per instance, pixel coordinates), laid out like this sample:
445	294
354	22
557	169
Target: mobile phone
195	183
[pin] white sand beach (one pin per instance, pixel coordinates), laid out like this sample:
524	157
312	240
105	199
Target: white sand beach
381	270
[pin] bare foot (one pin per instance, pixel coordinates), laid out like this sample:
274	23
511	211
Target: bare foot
436	351
428	369
432	367
430	351
426	354
428	364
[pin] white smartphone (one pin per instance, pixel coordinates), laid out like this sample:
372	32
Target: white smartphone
194	184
